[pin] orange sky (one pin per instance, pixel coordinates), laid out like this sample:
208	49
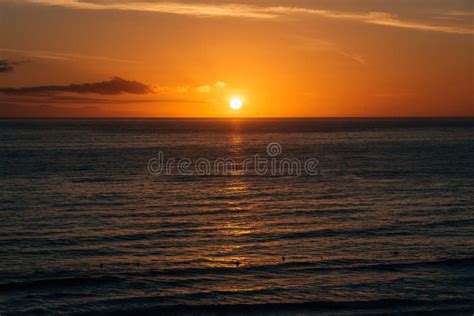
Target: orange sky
283	58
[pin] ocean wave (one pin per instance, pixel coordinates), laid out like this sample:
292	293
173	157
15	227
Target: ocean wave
303	308
230	267
57	283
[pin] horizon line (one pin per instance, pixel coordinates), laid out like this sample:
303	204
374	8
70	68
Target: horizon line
226	117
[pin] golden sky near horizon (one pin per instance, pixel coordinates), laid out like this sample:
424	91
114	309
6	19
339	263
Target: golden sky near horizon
297	58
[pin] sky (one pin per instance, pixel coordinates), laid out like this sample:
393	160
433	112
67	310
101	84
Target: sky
282	58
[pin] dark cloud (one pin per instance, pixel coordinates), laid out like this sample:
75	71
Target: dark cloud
7	65
82	100
69	99
114	86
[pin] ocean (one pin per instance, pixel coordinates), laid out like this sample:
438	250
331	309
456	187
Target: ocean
92	220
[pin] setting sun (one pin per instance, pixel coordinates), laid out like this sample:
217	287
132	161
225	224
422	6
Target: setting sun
235	103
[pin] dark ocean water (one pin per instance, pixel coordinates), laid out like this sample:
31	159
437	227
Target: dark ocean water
386	225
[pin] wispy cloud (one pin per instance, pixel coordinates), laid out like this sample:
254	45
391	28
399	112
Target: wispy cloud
315	44
377	18
64	56
460	13
196	9
204	89
114	86
259	12
220	84
391	21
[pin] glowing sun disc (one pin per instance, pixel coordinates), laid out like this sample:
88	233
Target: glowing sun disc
235	103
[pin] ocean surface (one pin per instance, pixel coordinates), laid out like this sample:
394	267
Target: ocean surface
383	224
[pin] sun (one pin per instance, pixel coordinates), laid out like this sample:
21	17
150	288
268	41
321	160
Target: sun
236	103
